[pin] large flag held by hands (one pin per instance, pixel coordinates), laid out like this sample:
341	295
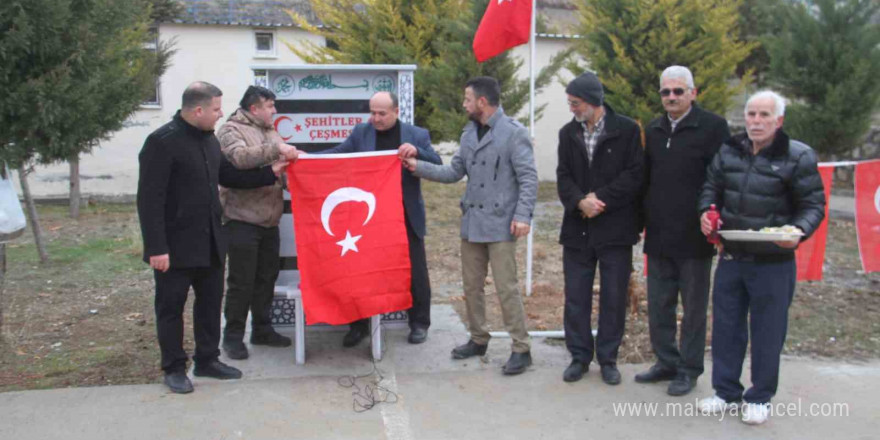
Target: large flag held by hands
351	241
505	24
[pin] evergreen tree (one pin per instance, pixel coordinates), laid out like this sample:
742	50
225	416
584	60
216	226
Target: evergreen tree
758	20
628	43
111	78
827	60
73	71
35	63
436	35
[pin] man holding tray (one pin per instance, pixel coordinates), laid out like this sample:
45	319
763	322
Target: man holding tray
762	179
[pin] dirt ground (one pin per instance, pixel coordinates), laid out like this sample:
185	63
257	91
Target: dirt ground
86	318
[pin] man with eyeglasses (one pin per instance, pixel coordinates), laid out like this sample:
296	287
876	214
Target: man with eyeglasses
679	147
599	179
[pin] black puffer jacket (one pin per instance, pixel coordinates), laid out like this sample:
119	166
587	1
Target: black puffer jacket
778	186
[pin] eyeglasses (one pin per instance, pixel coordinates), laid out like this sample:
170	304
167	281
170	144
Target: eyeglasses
678	91
575	103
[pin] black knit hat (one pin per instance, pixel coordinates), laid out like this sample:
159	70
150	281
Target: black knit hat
587	87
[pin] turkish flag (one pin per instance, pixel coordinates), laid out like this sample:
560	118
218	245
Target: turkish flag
351	242
868	213
506	24
810	254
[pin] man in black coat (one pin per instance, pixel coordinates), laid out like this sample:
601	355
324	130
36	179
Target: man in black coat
599	177
761	179
179	210
679	146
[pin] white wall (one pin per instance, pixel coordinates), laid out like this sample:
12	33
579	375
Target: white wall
221	55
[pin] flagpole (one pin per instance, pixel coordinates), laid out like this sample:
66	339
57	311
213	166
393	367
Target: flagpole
530	238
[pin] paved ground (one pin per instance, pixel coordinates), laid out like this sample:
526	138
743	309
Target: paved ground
437	398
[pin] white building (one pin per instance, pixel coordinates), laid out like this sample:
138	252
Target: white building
219	41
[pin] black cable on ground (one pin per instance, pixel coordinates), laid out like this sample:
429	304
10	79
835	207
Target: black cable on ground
367	395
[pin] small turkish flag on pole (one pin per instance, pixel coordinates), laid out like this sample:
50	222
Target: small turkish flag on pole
506	24
868	213
351	242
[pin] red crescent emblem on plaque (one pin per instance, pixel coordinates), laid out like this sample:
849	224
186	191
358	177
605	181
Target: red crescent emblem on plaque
278	122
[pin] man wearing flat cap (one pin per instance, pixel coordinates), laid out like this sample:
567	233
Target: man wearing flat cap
599	178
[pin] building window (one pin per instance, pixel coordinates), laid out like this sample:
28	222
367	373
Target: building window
264	43
153	98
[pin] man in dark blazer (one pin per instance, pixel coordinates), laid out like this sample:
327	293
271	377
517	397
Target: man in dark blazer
179	211
386	132
599	177
680	145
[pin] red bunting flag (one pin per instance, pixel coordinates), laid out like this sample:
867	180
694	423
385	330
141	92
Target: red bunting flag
505	24
810	254
351	238
867	186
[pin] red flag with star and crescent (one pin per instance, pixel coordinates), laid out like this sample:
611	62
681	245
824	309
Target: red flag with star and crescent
867	185
351	243
505	24
810	255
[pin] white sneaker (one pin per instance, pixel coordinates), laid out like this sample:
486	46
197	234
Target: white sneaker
755	413
713	405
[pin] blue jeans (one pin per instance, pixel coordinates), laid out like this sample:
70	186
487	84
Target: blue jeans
761	291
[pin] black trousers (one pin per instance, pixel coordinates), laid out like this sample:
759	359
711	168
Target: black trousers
666	278
172	288
253	269
579	267
420	313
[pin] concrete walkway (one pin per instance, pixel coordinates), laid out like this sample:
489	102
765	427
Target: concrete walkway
437	398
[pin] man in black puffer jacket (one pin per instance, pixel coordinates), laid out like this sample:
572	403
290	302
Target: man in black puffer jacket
760	180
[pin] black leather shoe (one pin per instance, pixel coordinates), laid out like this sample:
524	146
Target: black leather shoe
417	335
575	371
235	349
655	374
178	382
356	333
610	375
681	385
469	349
517	363
271	338
217	370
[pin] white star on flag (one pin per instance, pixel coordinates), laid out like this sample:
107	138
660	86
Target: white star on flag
348	244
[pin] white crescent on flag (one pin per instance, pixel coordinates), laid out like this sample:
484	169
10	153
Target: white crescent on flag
877	200
341	195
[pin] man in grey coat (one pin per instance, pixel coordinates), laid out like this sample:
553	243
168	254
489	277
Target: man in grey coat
496	155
